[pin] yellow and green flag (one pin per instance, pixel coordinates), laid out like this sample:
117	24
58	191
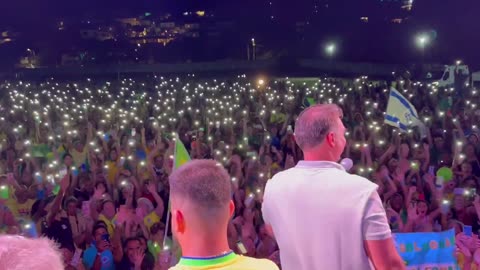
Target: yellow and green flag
309	101
180	155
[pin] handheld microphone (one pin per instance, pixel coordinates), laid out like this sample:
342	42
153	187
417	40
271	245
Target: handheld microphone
347	164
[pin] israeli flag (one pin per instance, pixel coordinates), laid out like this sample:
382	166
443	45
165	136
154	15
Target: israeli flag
400	112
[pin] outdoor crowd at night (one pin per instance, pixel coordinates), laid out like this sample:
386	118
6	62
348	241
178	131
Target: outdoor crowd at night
76	154
239	135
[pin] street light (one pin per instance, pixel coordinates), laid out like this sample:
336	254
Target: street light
254	52
31	51
330	49
32	58
423	40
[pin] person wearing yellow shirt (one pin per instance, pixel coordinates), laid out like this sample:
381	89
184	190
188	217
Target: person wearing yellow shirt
79	153
108	216
112	165
21	204
79	150
201	206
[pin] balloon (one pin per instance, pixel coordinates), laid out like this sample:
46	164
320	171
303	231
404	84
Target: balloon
56	189
50	156
446	173
106	137
141	154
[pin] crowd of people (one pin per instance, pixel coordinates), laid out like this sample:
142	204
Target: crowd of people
86	163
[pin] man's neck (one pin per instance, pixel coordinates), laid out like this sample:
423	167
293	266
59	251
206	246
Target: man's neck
200	247
318	156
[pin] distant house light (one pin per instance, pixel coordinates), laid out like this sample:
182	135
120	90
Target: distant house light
364	19
200	13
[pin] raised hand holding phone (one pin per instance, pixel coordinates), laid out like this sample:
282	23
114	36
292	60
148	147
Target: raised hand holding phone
467	230
4	192
104	244
98	192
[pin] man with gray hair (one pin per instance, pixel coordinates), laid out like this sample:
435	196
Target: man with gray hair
19	253
201	207
321	216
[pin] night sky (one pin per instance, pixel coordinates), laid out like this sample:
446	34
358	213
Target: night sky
26	11
456	21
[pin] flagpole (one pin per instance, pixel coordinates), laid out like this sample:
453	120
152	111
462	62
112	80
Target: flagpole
168	209
166	225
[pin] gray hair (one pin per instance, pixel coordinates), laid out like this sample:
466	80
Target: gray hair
204	182
314	123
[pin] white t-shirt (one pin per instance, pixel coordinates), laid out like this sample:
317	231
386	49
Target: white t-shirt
321	216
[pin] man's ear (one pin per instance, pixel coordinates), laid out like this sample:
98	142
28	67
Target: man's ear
330	139
179	224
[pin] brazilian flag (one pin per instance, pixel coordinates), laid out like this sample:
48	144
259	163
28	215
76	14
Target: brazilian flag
308	101
180	155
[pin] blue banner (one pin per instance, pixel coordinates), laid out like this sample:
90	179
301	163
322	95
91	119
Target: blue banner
422	251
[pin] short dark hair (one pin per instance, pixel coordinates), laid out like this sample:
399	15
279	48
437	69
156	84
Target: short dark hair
66	155
204	182
70	200
105	202
99	225
157	227
130	239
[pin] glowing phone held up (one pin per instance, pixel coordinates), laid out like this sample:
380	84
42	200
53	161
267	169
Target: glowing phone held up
4	192
467	230
29	230
62	172
106	237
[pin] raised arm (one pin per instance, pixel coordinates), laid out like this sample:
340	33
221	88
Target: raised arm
97	196
390	151
160	207
64	184
89	134
283	131
143	140
426	151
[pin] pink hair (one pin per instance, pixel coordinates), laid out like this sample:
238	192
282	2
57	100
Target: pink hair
17	253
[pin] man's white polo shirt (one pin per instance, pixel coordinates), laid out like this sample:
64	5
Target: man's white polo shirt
321	216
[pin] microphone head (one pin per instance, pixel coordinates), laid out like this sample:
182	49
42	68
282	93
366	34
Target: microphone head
347	164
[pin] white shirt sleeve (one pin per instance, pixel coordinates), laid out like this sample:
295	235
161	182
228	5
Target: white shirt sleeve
265	210
375	224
